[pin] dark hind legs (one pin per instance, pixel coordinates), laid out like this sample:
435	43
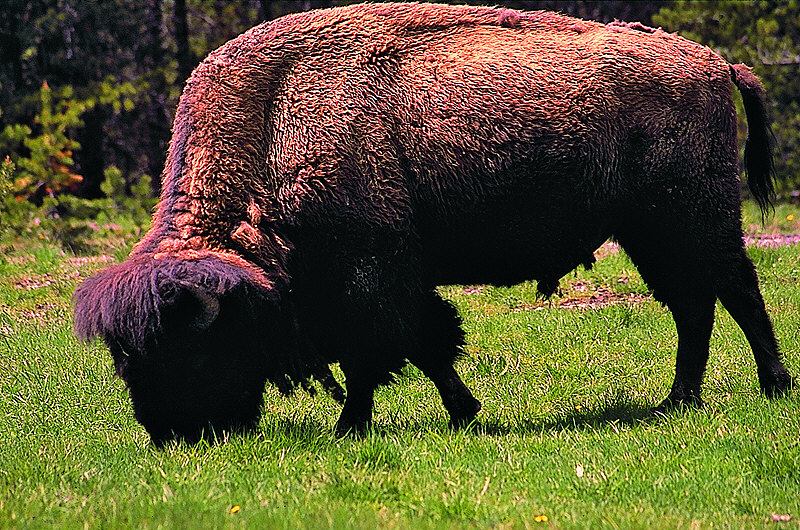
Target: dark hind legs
738	291
688	273
693	313
673	273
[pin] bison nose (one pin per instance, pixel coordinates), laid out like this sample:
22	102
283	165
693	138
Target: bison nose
160	437
192	436
209	432
161	440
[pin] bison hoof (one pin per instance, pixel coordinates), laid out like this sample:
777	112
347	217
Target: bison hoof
776	384
464	418
466	424
677	403
352	430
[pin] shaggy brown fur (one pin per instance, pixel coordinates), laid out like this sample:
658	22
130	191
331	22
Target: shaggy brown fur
329	169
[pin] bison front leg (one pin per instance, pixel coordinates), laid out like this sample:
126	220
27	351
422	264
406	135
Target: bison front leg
461	405
356	416
373	314
440	341
356	313
419	326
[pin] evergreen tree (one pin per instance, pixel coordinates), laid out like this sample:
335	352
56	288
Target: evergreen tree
766	36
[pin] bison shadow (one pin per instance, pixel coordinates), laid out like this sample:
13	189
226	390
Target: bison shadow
610	414
616	411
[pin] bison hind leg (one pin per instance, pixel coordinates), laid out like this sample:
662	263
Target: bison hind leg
737	288
676	277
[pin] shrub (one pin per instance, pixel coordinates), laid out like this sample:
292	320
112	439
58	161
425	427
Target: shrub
38	178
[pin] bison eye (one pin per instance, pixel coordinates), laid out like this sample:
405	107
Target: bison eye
121	359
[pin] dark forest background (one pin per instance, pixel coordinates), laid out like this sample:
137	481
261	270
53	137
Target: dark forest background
88	88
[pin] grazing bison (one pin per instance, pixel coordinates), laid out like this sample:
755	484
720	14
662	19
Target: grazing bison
329	169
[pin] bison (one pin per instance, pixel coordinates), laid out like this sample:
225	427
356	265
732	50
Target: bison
329	169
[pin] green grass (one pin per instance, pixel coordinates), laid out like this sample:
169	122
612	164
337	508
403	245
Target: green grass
784	219
567	432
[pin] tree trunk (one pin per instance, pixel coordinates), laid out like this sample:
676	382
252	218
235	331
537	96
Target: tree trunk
265	10
158	114
185	60
90	157
156	52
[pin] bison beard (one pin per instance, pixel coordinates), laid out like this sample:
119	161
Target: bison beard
329	169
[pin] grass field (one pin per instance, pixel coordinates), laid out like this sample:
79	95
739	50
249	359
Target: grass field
568	439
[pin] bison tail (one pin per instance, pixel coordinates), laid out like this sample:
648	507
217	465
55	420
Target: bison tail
758	162
125	304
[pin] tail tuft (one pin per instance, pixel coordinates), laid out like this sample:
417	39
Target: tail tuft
758	162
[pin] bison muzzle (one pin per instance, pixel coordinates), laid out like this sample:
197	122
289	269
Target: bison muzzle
329	169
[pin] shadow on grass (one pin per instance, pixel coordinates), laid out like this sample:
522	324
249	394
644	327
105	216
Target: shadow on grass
311	434
609	415
306	433
614	413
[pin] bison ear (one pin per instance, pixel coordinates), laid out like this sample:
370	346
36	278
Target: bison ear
189	306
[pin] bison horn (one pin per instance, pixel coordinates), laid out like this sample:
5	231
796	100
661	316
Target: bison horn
209	308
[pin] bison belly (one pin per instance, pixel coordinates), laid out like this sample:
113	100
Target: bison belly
511	239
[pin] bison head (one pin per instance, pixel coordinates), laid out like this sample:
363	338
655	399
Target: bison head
190	336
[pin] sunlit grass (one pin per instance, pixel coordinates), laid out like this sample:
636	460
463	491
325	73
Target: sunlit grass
566	428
